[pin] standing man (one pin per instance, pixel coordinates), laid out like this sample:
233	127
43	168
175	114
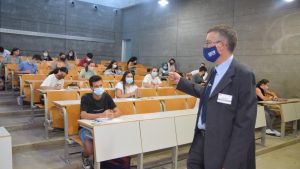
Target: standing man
224	134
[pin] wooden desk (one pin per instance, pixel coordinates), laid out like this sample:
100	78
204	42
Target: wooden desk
6	149
288	111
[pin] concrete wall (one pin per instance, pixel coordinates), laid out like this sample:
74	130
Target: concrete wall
268	32
59	17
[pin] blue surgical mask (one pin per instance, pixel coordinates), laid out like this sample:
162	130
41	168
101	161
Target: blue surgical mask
154	74
211	54
129	80
98	91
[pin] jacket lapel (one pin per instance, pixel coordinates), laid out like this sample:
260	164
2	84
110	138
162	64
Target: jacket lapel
226	79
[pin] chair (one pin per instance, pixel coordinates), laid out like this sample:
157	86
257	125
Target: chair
138	77
55	114
106	84
24	88
191	102
110	78
83	92
174	104
141	71
138	83
178	92
147	106
118	78
166	91
126	108
144	92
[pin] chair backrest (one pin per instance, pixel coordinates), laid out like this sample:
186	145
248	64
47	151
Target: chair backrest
55	113
36	94
138	77
25	88
117	78
144	92
260	117
138	83
106	84
166	91
178	92
126	108
111	93
73	118
141	71
174	104
288	112
191	102
83	92
147	106
104	77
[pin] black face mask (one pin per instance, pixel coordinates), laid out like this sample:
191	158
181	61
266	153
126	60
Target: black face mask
63	59
134	63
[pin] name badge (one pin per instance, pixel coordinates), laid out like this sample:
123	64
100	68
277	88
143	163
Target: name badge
224	98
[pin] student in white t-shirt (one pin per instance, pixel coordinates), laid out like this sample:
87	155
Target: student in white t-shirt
55	80
126	87
152	80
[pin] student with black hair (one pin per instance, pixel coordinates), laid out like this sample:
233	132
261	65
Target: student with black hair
71	55
172	65
152	80
61	62
98	104
126	88
131	63
113	69
199	77
83	62
262	90
14	57
4	52
55	79
30	65
88	71
46	56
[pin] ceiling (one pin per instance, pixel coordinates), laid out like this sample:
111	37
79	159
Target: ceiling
119	4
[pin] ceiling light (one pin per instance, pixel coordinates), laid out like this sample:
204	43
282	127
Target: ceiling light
288	0
163	2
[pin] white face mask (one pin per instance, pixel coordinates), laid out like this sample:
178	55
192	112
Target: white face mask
154	74
70	54
45	54
114	66
88	59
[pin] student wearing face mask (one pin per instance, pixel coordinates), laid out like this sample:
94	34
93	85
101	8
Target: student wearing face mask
46	56
98	104
163	70
152	80
126	88
30	65
61	62
86	59
263	94
113	69
88	71
171	65
71	55
55	79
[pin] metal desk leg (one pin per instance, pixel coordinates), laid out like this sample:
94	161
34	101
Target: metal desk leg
295	127
66	126
140	161
47	121
282	129
174	157
263	136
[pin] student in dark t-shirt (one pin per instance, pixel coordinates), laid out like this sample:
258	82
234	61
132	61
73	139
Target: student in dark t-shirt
97	104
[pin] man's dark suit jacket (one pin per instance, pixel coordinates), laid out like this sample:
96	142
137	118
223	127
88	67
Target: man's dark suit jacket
229	139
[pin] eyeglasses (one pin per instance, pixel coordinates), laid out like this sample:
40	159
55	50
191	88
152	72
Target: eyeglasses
207	44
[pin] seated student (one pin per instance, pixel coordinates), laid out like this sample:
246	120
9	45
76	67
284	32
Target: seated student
113	69
71	55
126	87
164	69
198	78
152	80
30	66
131	64
83	62
55	79
197	71
46	56
14	57
88	71
172	65
98	104
4	52
61	62
262	88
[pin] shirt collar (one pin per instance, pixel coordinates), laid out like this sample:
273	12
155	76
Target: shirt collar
222	68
